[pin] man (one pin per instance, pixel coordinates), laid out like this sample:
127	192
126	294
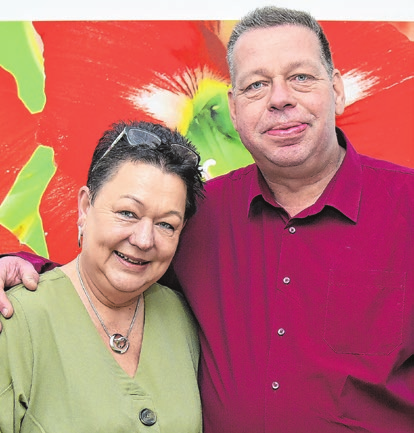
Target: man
299	268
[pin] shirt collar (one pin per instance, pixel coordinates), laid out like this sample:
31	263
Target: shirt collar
342	193
344	190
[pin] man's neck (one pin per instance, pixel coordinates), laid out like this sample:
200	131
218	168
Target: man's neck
295	194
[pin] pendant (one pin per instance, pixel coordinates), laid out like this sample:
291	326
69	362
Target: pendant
119	343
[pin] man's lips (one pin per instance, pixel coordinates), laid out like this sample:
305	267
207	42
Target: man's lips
134	261
287	129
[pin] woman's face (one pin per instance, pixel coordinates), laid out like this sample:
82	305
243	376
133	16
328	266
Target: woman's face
131	232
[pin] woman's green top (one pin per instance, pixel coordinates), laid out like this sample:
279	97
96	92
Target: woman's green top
57	376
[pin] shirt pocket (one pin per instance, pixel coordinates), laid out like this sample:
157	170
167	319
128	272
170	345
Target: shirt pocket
364	311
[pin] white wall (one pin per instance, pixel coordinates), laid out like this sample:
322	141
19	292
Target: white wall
391	10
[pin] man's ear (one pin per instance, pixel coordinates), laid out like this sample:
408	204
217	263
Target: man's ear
339	91
232	105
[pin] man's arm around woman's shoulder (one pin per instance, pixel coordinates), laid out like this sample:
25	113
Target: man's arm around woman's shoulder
18	268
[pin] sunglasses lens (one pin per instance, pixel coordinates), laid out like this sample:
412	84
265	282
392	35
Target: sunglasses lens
137	137
186	153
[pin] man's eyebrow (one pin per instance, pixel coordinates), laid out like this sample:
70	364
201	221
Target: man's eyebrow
301	63
256	72
289	66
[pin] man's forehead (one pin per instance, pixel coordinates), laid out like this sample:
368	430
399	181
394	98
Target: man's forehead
279	30
291	44
287	37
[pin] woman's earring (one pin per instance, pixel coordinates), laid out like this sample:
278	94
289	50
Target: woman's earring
80	236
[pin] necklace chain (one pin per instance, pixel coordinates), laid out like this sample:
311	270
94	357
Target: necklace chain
118	342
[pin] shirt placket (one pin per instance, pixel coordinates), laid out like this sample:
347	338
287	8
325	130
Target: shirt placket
278	384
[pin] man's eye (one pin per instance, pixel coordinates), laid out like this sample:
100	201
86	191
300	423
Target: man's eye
255	86
302	78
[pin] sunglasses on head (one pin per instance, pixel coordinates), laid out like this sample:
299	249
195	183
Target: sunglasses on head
138	137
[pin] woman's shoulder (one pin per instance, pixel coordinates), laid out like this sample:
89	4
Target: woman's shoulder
52	287
172	319
167	303
35	312
49	278
164	295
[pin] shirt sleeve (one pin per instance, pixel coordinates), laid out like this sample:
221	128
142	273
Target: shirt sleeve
16	360
40	263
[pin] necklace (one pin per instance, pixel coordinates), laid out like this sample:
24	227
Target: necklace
118	342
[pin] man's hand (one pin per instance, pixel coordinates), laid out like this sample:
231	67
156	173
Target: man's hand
14	270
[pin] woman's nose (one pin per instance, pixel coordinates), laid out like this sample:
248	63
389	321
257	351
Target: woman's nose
143	235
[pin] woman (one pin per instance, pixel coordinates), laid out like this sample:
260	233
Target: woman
100	346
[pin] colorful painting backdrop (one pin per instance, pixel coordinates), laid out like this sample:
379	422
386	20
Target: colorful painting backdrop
63	83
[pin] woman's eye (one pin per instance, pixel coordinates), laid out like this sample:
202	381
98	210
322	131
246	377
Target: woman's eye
166	227
127	214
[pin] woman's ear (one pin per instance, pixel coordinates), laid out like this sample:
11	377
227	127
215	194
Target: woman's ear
84	203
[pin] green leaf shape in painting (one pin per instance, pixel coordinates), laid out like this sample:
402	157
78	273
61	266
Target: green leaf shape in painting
21	55
212	130
19	212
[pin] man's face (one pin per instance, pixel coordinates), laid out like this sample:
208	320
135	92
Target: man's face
283	102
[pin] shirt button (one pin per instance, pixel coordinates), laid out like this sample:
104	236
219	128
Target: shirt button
147	417
275	385
286	280
292	230
281	331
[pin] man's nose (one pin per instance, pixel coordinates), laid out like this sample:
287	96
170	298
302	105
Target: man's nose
281	95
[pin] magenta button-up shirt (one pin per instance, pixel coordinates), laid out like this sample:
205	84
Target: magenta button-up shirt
307	323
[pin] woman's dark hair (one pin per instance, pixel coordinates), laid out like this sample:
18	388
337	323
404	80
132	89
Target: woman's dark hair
108	157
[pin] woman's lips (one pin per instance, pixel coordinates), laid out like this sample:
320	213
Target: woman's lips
128	259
